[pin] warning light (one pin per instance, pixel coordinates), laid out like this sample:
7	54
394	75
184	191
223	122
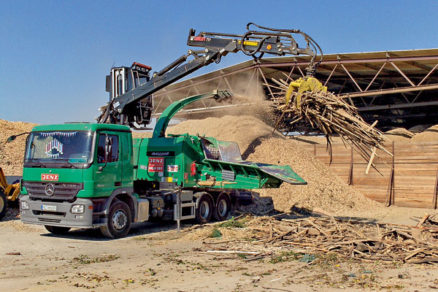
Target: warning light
199	39
193	169
269	47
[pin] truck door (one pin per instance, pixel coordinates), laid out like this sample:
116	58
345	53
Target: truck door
109	168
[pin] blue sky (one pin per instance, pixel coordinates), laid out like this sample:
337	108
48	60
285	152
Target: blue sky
54	55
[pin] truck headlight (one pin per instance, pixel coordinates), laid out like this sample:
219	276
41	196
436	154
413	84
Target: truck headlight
24	205
77	209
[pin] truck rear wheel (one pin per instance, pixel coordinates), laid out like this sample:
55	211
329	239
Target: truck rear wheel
3	204
223	207
57	229
119	221
205	209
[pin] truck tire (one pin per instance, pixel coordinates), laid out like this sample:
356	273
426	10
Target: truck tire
119	220
205	209
57	229
223	207
3	204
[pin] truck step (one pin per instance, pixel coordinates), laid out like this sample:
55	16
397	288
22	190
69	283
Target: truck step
177	212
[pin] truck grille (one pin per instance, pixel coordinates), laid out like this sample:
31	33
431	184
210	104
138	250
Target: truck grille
38	213
61	191
50	220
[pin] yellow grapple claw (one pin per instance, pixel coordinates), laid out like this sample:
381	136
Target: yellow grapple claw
302	85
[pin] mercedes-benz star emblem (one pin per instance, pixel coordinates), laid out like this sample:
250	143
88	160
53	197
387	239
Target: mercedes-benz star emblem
50	190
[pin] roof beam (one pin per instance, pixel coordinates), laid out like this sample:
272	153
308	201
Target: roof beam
390	91
397	106
354	61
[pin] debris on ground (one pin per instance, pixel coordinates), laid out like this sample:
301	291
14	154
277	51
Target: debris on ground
346	238
428	221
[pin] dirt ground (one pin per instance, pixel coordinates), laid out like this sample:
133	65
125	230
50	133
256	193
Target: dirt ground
156	257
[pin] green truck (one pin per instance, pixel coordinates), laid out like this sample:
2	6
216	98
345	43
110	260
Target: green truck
96	175
80	175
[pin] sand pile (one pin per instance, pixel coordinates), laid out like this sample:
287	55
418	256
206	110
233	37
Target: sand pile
429	135
11	154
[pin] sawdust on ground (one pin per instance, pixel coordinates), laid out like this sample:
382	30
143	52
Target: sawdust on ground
12	153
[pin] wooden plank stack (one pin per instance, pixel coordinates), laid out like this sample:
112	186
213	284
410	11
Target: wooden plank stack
414	165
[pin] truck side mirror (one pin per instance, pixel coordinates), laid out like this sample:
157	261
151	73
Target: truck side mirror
11	138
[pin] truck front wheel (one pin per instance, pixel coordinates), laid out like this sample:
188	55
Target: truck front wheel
119	221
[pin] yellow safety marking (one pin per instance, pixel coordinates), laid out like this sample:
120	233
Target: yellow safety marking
249	43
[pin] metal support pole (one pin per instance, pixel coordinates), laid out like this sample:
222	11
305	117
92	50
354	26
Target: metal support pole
428	74
266	82
330	76
351	77
402	74
390	197
179	209
375	76
350	175
435	193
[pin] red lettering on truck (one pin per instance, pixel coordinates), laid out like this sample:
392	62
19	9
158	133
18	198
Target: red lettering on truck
156	164
49	177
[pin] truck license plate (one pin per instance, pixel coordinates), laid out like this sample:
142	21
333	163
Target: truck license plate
48	208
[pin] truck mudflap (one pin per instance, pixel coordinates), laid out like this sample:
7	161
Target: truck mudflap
56	213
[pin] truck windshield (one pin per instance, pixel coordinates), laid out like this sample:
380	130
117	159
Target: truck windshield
61	147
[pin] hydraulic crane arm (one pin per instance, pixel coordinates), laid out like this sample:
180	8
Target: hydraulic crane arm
130	99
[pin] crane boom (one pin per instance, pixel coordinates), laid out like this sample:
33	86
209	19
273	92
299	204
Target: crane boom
131	87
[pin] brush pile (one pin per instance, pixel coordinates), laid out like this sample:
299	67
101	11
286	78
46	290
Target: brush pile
330	114
357	240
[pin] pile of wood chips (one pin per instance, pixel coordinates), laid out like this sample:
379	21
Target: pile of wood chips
362	241
12	154
329	114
